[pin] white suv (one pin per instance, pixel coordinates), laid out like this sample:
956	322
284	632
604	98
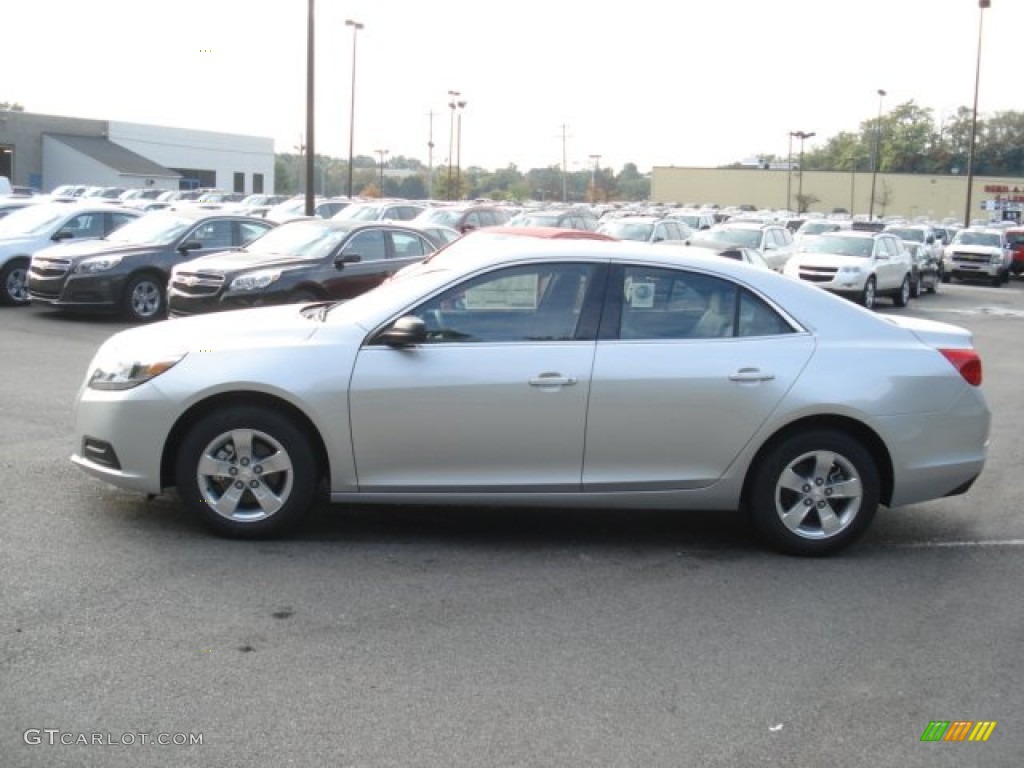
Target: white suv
978	254
859	265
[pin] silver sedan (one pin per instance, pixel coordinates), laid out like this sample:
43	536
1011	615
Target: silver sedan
563	373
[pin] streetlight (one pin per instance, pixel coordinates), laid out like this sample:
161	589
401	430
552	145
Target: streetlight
356	26
853	180
310	109
452	103
803	136
982	5
458	147
789	174
382	153
874	155
593	178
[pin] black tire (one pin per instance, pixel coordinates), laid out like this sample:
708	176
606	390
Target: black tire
915	287
145	298
902	297
14	283
867	296
247	472
946	278
996	280
811	518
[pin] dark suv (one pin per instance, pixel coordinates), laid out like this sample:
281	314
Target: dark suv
127	271
301	260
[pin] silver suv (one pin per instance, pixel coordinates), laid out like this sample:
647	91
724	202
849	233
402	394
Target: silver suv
859	265
978	254
774	241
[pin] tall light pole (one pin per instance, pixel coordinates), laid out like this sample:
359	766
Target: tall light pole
789	173
853	181
593	178
383	153
310	109
452	104
982	5
803	136
875	160
356	26
430	157
461	105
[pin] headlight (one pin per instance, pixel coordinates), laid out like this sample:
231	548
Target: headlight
255	281
996	258
850	270
117	373
99	264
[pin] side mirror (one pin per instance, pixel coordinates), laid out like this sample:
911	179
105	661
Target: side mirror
191	245
930	240
346	258
404	332
467	228
64	234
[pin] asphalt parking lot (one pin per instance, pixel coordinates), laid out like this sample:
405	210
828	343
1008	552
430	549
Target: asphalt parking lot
411	637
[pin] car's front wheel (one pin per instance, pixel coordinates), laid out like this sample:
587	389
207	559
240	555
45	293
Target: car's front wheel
247	472
143	299
814	493
867	296
14	283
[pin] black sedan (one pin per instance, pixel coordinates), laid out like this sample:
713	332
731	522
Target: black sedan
301	260
128	270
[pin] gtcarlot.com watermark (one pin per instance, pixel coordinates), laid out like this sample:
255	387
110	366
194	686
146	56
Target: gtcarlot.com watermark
55	736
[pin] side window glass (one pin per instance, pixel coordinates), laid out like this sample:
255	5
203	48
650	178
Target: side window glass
369	246
757	318
248	232
85	225
408	246
674	304
213	234
118	220
532	303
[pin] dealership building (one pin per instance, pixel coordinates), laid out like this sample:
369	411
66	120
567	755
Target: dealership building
45	151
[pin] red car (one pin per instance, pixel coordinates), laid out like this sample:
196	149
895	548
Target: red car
1015	238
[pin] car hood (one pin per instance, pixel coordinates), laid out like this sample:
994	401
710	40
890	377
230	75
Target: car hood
218	331
84	248
18	244
237	261
985	249
828	259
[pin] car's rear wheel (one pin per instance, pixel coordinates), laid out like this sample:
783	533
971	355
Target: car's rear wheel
247	472
814	493
867	296
915	287
902	297
14	283
144	299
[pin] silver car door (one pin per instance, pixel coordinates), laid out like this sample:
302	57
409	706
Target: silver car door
495	400
675	398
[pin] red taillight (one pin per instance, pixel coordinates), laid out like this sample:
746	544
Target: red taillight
967	362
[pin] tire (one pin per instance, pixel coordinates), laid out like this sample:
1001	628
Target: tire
996	280
793	497
14	283
946	278
247	472
933	287
144	299
915	287
902	297
867	296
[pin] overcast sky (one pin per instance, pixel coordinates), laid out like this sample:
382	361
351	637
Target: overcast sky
653	82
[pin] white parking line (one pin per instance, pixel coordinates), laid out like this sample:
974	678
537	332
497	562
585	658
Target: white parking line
964	544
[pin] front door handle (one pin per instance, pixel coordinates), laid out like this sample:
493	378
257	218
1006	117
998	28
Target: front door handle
552	380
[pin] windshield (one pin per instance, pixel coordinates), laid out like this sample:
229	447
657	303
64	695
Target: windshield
748	238
444	216
359	213
33	220
628	230
965	237
817	227
844	246
408	290
916	235
151	229
304	238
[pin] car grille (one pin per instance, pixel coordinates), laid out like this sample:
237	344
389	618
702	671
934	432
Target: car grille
972	258
49	268
818	274
197	283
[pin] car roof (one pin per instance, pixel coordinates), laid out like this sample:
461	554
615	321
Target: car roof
547	233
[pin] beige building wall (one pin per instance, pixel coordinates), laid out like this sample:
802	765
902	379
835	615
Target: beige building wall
936	197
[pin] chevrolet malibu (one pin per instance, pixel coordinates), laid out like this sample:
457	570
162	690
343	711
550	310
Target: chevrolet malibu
563	373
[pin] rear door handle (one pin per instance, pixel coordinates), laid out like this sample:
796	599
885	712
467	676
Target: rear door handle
751	375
